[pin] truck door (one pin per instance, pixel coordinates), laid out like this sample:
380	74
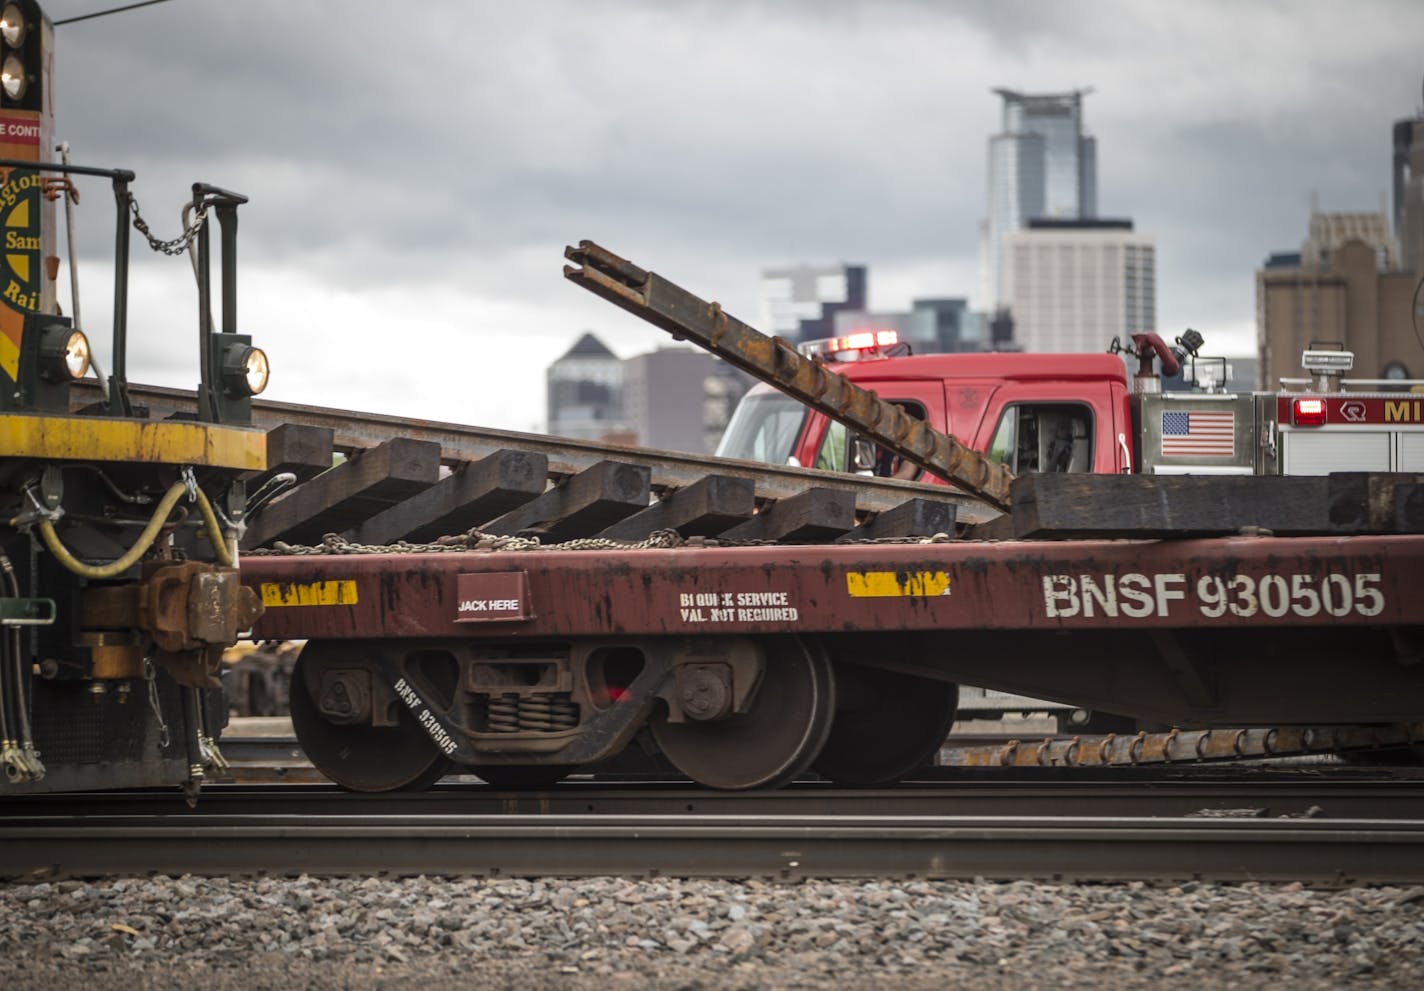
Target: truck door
1042	426
841	449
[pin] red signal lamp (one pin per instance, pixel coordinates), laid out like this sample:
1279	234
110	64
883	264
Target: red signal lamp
1308	412
852	347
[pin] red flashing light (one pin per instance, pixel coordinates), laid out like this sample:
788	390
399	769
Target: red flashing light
852	347
1308	412
862	340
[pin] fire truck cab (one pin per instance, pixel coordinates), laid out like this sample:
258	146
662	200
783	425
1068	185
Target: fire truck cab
1031	412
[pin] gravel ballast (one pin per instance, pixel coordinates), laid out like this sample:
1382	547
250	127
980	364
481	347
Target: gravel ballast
601	932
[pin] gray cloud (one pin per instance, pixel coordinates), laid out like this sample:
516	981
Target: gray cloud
455	147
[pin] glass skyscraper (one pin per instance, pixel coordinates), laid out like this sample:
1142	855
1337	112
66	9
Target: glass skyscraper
1041	166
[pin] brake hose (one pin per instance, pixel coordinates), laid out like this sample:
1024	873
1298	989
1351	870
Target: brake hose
145	540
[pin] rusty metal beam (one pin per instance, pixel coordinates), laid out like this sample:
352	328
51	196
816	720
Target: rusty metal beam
771	359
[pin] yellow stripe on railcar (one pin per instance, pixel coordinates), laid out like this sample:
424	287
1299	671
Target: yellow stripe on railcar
69	438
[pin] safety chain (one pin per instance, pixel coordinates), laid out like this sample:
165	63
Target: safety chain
177	245
473	540
935	538
150	675
477	540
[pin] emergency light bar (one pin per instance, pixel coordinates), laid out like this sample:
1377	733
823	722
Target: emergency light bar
851	347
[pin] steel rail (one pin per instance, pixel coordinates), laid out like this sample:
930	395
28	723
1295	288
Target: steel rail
1121	793
667	305
1089	849
354	430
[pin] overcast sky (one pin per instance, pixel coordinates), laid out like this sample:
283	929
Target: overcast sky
416	168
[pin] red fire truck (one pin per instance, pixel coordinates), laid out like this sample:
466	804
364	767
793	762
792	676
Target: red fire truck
1082	413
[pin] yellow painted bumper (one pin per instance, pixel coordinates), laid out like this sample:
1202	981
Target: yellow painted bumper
92	438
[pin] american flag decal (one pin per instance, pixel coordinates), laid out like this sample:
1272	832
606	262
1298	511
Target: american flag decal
1198	433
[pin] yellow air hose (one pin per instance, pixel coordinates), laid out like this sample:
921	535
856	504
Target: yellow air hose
145	540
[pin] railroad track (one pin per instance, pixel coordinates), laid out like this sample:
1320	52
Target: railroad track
1319	828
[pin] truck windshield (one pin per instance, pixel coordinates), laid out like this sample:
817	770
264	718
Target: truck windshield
763	428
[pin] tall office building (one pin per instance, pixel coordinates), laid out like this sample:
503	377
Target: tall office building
1353	281
1343	286
1408	175
799	303
680	398
1329	232
674	398
584	389
1074	285
1041	165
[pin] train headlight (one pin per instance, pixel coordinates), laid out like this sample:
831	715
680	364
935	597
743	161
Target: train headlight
245	371
12	25
12	77
64	354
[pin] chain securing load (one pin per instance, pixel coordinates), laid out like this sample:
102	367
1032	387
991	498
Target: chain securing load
473	540
477	540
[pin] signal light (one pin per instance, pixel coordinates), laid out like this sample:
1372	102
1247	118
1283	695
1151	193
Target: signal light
1308	412
24	59
851	347
12	77
863	340
53	354
64	354
237	372
245	370
12	25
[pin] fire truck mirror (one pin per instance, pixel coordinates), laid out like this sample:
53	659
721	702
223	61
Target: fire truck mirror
862	457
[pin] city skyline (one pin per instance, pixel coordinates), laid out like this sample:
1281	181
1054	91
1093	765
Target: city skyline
420	211
1042	165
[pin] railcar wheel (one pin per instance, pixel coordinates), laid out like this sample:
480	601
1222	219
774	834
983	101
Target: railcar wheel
359	757
521	777
778	736
896	723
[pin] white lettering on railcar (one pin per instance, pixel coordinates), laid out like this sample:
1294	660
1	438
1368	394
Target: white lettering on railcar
426	718
1140	596
737	607
488	605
